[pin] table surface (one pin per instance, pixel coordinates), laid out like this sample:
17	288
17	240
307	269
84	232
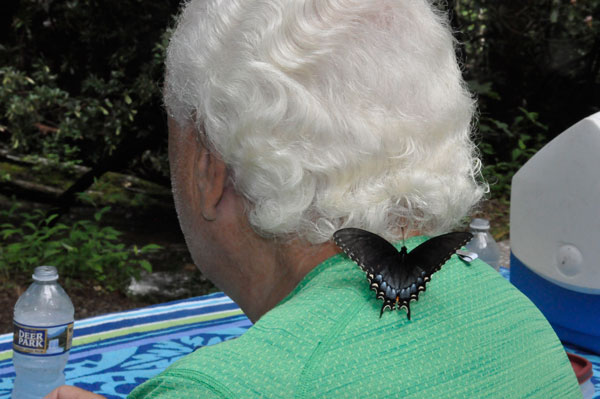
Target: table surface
114	353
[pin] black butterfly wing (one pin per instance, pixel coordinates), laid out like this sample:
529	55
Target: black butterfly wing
372	253
423	261
377	257
433	253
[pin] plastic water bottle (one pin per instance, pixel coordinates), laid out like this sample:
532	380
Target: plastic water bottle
483	243
43	322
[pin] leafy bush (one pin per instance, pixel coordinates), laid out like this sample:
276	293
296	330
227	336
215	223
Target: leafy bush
506	146
524	56
542	55
83	250
81	79
523	135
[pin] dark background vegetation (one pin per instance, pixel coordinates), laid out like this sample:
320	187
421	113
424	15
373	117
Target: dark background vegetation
83	168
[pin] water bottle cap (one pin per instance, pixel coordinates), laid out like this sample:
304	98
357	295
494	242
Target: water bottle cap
45	273
480	224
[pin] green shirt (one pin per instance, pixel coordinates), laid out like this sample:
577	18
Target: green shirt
471	334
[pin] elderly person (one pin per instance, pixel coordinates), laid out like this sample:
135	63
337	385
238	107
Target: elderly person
291	119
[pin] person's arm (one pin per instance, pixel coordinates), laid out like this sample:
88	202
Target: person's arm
70	392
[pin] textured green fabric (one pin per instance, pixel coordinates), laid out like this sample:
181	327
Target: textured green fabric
471	335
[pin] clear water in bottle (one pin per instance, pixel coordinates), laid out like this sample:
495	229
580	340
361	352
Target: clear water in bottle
483	243
43	320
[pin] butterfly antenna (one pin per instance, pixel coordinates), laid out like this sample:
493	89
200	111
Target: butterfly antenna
403	237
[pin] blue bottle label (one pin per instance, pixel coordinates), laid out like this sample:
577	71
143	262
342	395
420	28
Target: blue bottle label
44	341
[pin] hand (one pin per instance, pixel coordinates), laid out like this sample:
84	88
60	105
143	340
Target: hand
69	392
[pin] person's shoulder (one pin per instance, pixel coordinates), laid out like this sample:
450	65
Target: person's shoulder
467	325
267	358
214	371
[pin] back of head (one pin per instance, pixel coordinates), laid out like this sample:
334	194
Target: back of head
329	113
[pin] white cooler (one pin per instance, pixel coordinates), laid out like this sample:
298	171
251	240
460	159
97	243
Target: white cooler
555	232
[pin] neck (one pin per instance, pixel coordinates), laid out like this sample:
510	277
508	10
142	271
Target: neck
277	274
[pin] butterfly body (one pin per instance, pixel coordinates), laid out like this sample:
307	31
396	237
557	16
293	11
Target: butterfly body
397	277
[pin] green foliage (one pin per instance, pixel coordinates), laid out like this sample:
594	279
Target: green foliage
506	146
541	56
83	250
524	135
81	77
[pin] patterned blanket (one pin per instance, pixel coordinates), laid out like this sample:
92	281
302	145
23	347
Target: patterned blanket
114	353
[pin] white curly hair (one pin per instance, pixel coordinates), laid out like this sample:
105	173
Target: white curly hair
329	113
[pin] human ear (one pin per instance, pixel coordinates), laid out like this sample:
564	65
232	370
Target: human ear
211	175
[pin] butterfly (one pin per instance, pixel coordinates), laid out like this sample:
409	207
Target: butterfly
398	277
